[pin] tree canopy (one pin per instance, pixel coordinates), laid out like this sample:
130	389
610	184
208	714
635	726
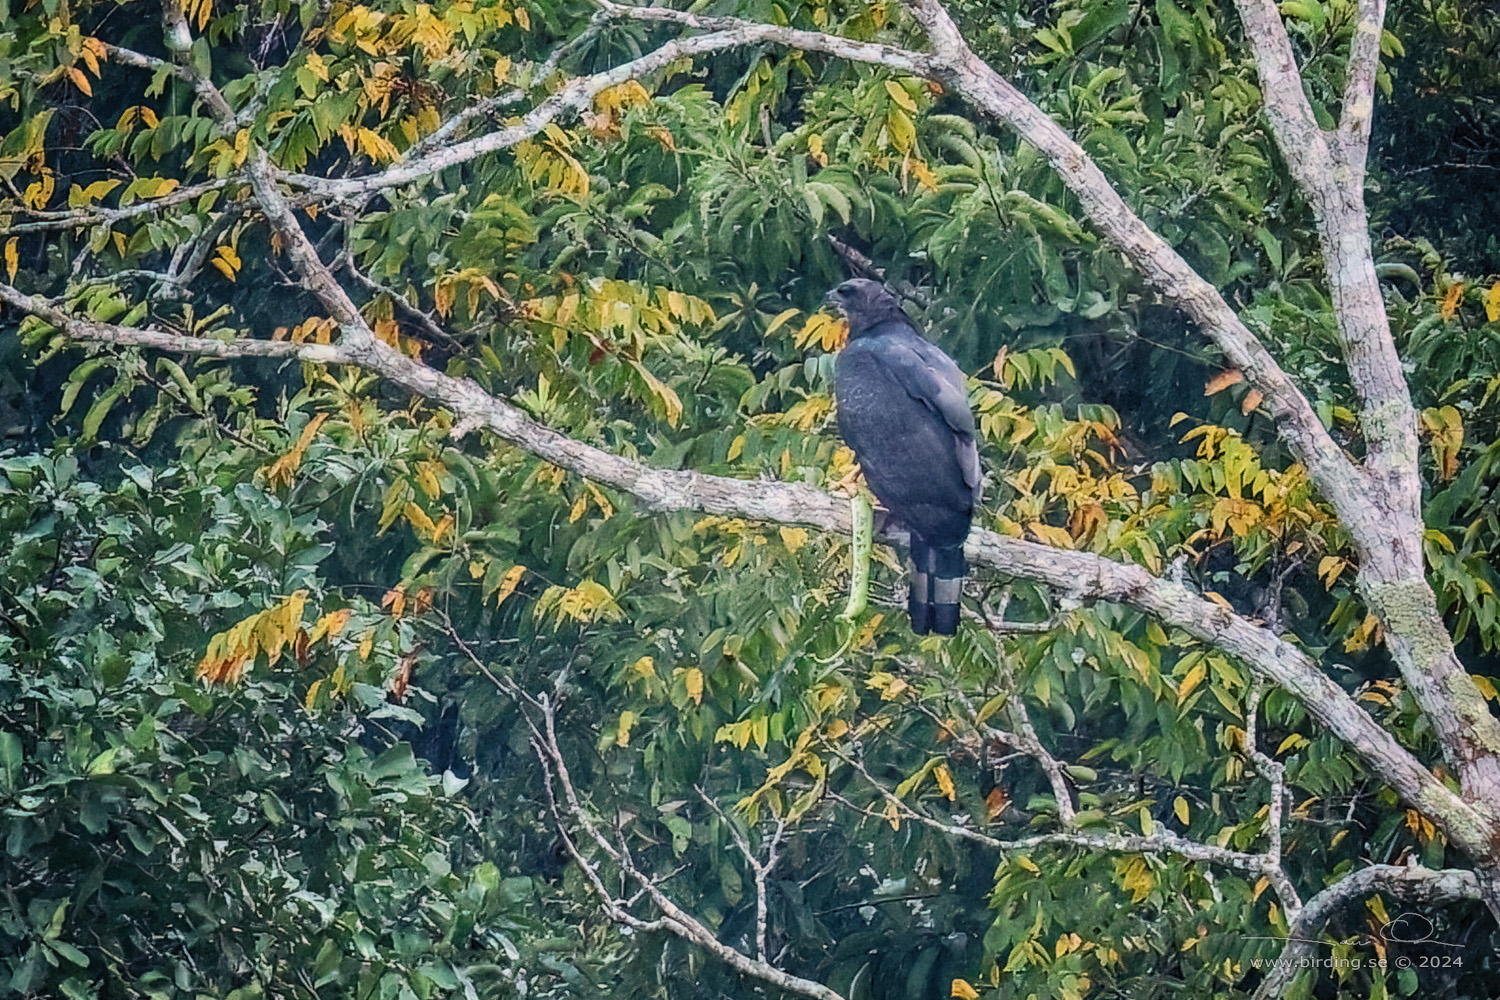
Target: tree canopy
425	535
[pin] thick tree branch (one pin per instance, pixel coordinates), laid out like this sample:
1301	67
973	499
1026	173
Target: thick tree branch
84	217
1267	863
1024	738
1275	774
1163	842
91	331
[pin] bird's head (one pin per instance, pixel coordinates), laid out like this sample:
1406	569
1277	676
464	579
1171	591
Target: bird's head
863	303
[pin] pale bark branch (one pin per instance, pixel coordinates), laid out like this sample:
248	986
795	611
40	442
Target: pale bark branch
1023	737
674	920
759	870
954	64
85	217
1389	428
179	40
429	326
1359	80
86	330
1163	842
1275	774
1267	863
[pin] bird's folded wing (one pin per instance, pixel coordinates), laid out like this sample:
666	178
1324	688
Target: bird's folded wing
930	377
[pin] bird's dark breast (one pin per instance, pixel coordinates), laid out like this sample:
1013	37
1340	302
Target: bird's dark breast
908	454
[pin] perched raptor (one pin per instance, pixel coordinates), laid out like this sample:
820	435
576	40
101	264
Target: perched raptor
904	409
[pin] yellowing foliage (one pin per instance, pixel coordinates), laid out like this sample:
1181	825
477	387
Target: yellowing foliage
587	602
282	471
269	632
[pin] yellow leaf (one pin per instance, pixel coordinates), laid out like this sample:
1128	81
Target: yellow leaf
671	403
92	50
1180	807
39	192
1192	680
508	583
963	990
330	625
644	668
622	732
1251	401
1451	298
944	780
580	506
419	519
1329	568
282	470
793	538
427	478
12	257
786	314
1492	303
1052	535
1293	741
312	694
815	146
523	18
692	679
901	129
893	815
80	81
1223	380
1027	864
900	96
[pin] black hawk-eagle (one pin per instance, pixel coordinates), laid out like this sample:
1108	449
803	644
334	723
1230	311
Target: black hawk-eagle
904	409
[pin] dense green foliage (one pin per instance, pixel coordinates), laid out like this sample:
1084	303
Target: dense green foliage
353	808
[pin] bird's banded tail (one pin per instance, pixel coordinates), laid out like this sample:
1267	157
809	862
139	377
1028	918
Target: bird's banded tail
937	578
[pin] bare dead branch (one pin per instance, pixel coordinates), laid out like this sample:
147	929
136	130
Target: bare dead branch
85	217
759	870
